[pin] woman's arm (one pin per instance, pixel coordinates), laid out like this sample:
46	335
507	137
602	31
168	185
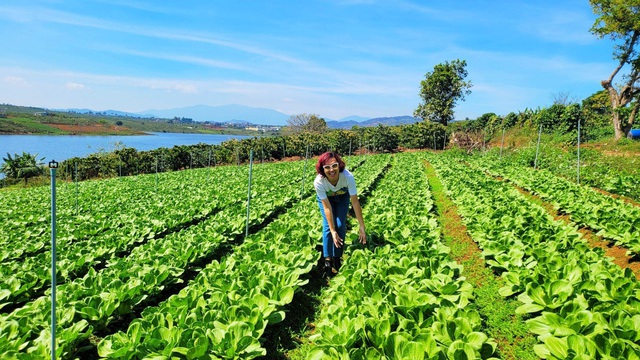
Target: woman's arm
358	210
328	213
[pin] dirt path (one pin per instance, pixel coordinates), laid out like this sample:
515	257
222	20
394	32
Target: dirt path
508	329
617	253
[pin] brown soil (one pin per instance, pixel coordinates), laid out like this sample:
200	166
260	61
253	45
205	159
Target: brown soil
620	153
466	252
617	253
619	197
95	129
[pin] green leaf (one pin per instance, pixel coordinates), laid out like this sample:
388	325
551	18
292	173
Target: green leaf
276	317
557	347
529	308
476	339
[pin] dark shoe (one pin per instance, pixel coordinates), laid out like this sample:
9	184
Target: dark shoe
337	264
328	269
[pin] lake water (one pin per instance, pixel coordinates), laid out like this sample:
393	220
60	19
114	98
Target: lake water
63	147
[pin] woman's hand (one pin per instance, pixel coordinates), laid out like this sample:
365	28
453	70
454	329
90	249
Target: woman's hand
337	241
363	235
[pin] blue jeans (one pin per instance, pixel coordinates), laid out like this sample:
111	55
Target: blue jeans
339	208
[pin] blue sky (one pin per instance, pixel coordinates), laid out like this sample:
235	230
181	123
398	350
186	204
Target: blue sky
332	58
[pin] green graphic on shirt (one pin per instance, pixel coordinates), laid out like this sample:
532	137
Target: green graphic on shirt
337	192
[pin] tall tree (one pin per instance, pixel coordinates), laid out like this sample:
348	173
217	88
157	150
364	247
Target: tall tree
620	21
306	123
441	89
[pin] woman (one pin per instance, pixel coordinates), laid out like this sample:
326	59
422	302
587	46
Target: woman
335	188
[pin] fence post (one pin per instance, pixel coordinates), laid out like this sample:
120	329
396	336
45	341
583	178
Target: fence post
77	191
578	170
501	143
53	165
156	173
304	171
535	163
246	232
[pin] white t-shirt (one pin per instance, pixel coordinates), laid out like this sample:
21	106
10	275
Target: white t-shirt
346	183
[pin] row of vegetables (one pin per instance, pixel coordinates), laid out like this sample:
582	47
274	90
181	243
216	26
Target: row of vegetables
92	302
223	312
581	305
90	208
400	297
125	214
612	218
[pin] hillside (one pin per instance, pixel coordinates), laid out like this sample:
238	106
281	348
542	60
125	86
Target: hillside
387	121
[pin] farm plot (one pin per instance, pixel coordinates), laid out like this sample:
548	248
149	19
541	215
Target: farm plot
581	304
119	215
615	172
99	298
612	218
224	311
401	296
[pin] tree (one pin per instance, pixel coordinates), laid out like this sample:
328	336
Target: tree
23	166
620	21
563	98
306	123
441	89
597	109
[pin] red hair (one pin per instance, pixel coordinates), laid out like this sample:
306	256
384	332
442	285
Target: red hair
323	159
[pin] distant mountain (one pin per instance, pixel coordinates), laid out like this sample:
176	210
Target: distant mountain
224	113
354	118
106	113
387	121
392	121
335	124
246	114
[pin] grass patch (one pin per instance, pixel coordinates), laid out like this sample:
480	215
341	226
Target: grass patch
501	322
24	125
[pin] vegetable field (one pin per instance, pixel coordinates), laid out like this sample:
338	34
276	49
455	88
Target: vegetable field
159	267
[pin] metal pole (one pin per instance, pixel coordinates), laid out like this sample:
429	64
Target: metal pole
501	143
350	140
77	189
444	142
156	173
535	163
53	166
304	171
246	232
578	172
209	166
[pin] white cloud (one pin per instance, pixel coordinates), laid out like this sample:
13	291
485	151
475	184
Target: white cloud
187	89
184	59
16	81
75	86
